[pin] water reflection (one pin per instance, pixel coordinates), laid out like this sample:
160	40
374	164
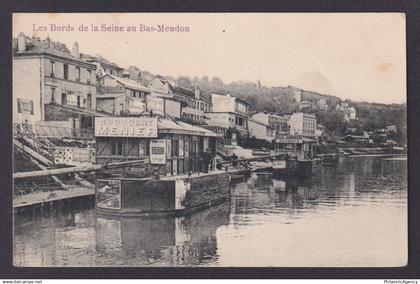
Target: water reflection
352	214
164	241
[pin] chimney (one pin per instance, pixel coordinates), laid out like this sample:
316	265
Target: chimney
21	42
47	42
197	92
75	50
139	78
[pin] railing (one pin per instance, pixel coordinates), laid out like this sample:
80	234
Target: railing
235	161
46	131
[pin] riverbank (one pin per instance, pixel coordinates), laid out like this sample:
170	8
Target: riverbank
38	198
359	195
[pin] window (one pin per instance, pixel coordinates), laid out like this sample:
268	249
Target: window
63	98
89	76
144	148
89	101
117	147
239	121
53	94
175	147
52	68
66	71
77	73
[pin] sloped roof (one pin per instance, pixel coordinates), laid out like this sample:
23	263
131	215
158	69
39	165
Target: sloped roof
259	122
109	96
130	84
355	137
36	46
100	60
181	90
178	89
170	126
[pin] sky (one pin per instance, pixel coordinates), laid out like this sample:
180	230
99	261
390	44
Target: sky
357	56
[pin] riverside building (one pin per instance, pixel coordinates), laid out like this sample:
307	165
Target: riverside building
51	84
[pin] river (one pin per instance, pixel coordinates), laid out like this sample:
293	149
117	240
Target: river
352	214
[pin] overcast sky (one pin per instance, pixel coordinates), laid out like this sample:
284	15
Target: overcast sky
359	56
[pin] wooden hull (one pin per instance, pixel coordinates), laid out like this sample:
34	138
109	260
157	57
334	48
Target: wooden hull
309	167
171	196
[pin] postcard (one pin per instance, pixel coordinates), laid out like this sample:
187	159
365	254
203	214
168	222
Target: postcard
209	140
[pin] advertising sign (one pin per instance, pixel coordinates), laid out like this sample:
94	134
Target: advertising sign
294	139
145	127
25	106
73	156
158	151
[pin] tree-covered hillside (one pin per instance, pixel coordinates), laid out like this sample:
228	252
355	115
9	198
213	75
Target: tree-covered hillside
280	100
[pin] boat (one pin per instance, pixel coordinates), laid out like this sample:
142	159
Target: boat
309	166
178	173
329	159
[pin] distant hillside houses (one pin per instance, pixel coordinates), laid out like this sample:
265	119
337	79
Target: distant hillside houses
348	111
54	85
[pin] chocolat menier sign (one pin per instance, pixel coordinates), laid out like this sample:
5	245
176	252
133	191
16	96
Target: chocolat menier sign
126	127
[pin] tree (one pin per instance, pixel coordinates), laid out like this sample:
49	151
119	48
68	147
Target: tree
334	123
184	81
216	81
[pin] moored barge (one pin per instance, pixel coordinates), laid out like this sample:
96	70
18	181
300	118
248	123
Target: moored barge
177	177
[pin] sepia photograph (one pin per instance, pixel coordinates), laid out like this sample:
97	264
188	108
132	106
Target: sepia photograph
209	140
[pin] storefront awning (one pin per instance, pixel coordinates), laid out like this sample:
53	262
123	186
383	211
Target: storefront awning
179	127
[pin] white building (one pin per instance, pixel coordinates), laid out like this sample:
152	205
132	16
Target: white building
302	124
229	112
193	105
52	84
280	124
261	130
110	89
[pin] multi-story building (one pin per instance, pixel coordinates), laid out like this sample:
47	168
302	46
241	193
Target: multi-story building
280	124
103	66
121	95
261	130
229	112
193	105
304	105
50	83
302	124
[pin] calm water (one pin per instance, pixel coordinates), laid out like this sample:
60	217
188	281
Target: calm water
353	214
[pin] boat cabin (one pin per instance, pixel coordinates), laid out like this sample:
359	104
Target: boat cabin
169	147
176	173
296	145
